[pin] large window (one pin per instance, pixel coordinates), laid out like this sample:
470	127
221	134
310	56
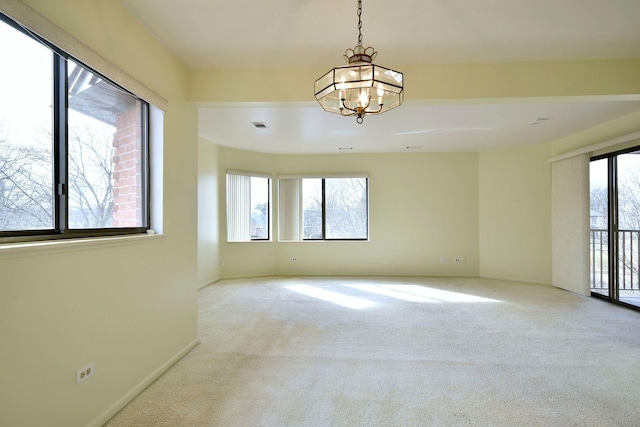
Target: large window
248	198
331	208
73	146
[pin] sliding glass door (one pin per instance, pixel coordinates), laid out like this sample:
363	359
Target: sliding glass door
615	227
628	210
599	213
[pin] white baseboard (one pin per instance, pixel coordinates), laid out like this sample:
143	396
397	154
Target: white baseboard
129	396
252	276
210	282
513	279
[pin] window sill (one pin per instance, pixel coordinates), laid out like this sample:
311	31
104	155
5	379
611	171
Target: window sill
47	247
326	241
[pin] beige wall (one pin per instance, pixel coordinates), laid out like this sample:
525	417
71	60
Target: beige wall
129	307
570	201
515	213
602	79
493	208
612	129
422	207
513	242
243	259
208	206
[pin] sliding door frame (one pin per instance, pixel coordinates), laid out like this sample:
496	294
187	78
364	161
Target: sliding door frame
613	227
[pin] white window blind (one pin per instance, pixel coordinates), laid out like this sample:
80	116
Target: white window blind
238	208
290	209
570	223
248	206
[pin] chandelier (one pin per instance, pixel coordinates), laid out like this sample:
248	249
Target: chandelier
359	88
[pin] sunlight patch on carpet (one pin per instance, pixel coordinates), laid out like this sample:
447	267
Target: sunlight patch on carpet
437	294
333	297
393	293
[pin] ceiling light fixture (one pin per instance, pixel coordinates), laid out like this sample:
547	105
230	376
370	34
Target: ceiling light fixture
359	88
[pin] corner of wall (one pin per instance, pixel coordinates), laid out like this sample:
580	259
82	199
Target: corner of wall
515	213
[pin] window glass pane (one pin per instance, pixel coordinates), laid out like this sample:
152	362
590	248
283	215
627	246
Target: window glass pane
106	176
628	202
346	208
312	208
259	208
26	143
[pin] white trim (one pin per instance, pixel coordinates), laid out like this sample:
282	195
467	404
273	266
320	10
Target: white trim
41	26
325	175
254	276
326	241
515	279
595	147
252	174
128	397
156	168
209	283
48	247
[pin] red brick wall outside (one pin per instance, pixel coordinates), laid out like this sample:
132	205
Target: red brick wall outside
127	170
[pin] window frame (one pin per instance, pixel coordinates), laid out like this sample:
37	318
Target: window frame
615	279
269	221
323	179
59	190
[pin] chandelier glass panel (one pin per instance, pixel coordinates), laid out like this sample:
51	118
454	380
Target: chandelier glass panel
359	88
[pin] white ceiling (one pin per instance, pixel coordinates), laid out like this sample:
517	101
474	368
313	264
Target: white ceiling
308	128
277	33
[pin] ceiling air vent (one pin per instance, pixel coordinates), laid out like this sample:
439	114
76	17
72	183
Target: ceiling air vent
259	125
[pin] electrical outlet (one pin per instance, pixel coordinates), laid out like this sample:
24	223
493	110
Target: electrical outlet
294	258
85	373
460	259
442	260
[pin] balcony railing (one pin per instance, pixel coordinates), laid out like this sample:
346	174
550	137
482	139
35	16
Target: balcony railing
628	254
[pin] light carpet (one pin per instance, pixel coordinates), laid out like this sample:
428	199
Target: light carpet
399	352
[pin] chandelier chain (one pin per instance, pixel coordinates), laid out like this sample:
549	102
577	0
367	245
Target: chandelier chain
359	22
